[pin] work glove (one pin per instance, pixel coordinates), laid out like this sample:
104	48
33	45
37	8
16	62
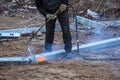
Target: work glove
63	7
51	16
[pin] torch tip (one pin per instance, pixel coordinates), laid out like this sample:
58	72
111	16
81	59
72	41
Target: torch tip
41	59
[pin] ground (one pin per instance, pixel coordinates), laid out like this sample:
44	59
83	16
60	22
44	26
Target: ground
63	70
75	69
66	69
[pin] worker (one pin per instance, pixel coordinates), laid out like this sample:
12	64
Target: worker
48	9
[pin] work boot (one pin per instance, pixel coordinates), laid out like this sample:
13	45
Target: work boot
67	55
47	51
70	55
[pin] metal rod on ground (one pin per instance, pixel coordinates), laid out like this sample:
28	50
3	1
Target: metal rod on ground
77	36
76	25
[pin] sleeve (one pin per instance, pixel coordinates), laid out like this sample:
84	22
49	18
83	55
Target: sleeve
39	6
65	2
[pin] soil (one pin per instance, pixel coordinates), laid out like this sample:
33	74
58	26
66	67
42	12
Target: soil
68	69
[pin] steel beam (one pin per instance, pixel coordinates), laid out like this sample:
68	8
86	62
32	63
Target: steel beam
9	36
30	30
21	30
55	54
82	20
27	30
110	23
91	23
88	22
5	61
100	45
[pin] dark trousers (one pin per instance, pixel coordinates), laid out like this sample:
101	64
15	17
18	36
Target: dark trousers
63	19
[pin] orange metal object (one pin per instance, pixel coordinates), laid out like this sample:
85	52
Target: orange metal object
41	59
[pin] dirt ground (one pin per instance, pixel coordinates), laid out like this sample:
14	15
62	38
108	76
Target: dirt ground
63	70
73	69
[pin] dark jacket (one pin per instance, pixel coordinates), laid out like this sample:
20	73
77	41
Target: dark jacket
49	6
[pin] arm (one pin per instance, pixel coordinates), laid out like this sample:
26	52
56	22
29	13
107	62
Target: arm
39	6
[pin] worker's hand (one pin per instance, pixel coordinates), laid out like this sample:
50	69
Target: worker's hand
63	7
51	16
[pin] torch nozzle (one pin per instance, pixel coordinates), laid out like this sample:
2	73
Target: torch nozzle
41	59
